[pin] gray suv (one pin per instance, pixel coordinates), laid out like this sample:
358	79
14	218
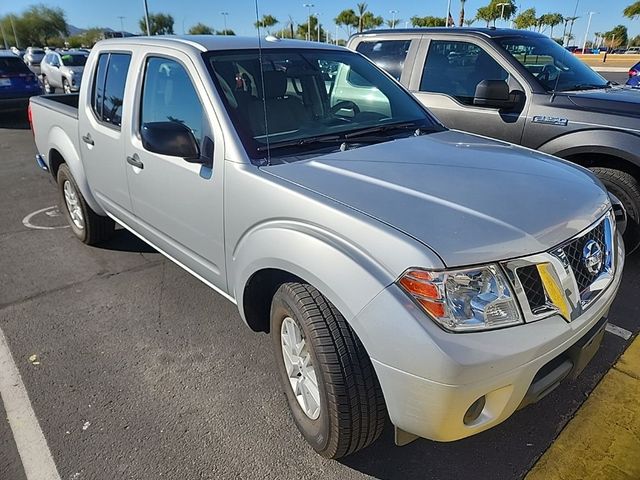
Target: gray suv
524	88
63	70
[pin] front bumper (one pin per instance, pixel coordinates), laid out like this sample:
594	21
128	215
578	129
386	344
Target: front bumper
430	378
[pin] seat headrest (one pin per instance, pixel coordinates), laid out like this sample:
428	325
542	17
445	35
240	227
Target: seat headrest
275	84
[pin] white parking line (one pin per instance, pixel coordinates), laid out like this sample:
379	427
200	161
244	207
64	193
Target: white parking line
619	331
32	446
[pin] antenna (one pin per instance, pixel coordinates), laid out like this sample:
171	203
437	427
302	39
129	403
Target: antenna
264	101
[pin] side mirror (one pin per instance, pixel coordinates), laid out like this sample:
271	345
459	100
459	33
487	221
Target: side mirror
493	93
170	138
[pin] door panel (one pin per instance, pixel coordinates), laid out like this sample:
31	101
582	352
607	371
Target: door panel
449	77
100	133
179	204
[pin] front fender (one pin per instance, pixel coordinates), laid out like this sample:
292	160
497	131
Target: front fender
346	275
59	140
617	143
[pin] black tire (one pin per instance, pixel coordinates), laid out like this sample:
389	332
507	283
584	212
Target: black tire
627	189
352	409
96	227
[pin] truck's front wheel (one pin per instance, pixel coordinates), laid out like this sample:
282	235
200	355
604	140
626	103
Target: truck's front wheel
328	378
627	189
87	225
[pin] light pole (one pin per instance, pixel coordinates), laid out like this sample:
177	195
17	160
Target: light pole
503	4
573	19
586	34
309	6
146	17
393	18
4	37
318	21
225	15
446	18
122	25
13	27
336	39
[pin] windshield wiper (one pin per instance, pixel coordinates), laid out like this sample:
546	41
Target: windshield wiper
364	135
587	86
418	127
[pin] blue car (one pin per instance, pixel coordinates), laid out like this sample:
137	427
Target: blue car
634	76
17	83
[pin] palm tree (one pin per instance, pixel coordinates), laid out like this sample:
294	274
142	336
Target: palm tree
266	22
462	2
632	11
362	10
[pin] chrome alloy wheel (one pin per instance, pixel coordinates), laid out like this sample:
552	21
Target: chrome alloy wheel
299	366
73	204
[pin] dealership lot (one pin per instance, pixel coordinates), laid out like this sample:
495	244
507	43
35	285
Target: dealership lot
137	370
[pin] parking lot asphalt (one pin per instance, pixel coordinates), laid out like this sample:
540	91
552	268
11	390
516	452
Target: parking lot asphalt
144	372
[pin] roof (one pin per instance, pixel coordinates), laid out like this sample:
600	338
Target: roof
8	53
485	32
205	43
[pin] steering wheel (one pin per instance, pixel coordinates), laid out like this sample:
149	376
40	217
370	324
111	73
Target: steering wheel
545	74
345	105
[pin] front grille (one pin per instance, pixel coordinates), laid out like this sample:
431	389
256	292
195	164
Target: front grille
532	285
573	251
571	255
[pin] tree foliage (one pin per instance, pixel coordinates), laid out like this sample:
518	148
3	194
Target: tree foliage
266	22
200	29
37	25
550	20
303	29
526	19
428	21
494	11
633	10
620	33
159	23
347	19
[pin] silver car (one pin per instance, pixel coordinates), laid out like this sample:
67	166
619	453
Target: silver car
33	56
62	70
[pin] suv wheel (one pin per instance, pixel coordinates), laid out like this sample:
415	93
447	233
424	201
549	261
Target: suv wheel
48	89
65	86
87	225
627	189
328	379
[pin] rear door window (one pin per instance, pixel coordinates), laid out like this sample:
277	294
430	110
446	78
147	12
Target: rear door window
108	87
389	55
456	68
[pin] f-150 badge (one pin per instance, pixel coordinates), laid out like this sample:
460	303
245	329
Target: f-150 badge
561	122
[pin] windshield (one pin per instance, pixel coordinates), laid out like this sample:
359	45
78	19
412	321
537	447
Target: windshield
36	51
74	60
555	68
311	96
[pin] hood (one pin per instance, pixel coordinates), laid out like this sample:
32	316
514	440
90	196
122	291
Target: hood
616	101
76	70
470	199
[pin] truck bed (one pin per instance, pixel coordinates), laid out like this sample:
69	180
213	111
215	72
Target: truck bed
66	104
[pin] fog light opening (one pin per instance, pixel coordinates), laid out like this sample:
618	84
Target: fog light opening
475	410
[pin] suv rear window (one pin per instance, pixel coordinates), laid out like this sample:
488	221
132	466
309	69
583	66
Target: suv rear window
387	54
10	65
108	87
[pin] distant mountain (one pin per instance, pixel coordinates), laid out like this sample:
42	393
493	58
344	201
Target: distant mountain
73	30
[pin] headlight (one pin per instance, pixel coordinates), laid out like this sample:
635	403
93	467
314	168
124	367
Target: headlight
464	300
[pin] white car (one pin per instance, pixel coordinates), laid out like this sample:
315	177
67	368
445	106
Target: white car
62	70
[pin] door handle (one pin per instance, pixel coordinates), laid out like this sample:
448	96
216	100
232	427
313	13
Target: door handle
135	161
88	140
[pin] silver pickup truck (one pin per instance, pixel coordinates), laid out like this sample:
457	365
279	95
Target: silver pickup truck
440	277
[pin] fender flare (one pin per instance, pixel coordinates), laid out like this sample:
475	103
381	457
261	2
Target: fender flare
59	140
615	143
345	274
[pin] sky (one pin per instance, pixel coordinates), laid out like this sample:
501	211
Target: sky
241	13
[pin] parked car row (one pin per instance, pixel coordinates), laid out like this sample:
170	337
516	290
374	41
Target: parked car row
443	278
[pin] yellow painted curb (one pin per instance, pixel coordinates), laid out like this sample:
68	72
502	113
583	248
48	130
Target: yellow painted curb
602	441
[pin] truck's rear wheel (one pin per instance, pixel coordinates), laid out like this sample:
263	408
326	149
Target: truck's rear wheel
87	225
328	378
627	189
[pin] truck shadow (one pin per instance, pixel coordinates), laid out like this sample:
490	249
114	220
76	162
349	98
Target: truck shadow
125	241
